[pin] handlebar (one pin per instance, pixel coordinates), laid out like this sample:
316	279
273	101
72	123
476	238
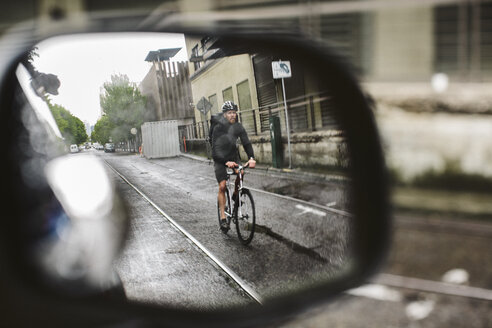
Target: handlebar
238	168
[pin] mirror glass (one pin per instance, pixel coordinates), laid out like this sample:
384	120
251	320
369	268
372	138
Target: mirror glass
143	106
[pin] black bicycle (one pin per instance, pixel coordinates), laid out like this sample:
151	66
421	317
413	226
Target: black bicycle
242	213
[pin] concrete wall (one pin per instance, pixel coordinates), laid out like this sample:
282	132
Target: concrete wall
168	87
220	75
402	44
322	148
148	87
419	142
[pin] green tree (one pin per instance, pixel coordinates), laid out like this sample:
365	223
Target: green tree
123	106
102	130
71	127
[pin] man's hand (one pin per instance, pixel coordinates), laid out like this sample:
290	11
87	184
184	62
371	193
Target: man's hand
231	165
252	163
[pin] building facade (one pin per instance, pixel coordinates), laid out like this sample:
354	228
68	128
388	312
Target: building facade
167	87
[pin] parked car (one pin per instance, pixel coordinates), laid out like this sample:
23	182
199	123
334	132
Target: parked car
109	148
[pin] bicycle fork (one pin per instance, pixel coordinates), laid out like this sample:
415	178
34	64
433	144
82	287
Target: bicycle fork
235	212
237	202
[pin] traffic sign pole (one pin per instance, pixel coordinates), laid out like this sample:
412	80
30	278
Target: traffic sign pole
282	70
287	124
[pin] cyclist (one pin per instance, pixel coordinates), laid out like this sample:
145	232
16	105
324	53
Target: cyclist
224	152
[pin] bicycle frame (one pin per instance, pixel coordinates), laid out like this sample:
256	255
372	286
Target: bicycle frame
233	215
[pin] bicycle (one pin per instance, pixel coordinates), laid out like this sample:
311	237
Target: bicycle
243	213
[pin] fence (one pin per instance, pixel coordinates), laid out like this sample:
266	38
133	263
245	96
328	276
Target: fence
306	113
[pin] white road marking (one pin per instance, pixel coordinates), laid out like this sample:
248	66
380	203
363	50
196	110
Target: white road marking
306	209
456	276
377	292
326	208
419	310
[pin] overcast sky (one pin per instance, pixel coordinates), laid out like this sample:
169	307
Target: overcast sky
84	63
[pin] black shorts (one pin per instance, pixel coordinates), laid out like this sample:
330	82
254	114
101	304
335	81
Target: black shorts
221	171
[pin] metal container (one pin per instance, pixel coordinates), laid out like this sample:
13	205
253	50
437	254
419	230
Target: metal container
160	139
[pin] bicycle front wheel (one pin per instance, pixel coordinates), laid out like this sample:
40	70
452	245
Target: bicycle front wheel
246	217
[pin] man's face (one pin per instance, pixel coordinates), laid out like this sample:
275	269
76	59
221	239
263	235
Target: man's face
230	116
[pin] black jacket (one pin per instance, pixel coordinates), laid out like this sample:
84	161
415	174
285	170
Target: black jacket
224	138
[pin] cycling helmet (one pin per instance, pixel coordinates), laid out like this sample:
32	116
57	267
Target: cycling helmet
229	105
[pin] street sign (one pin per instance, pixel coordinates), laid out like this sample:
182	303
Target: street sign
281	69
203	106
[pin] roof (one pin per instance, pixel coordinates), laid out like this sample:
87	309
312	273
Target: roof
161	54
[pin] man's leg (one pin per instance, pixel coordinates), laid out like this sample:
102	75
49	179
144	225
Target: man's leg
222	198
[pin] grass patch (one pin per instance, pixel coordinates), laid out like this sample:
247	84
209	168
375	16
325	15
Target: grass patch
452	178
449	192
440	202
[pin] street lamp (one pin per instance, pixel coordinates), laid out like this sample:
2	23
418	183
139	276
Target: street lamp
134	132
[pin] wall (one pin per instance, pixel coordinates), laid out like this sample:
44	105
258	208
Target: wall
168	87
416	143
402	44
222	74
148	87
322	148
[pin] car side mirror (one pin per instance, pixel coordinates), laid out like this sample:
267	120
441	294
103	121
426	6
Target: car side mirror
38	174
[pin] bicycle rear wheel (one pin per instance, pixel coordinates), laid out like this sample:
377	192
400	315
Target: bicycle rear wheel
246	217
227	208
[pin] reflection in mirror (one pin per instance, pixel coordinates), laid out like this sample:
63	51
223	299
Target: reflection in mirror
74	224
143	104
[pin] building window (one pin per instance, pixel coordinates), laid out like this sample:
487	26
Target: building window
244	95
345	33
463	40
227	94
244	99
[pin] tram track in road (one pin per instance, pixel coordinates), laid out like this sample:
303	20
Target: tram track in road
285	197
240	283
264	229
385	279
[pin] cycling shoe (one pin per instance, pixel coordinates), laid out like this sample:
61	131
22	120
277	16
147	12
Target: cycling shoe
224	226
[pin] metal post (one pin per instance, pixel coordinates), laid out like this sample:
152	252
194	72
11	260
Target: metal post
287	124
311	107
254	121
463	39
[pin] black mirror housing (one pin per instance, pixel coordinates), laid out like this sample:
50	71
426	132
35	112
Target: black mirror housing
370	204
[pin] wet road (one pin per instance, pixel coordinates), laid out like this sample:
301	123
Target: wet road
295	243
424	249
